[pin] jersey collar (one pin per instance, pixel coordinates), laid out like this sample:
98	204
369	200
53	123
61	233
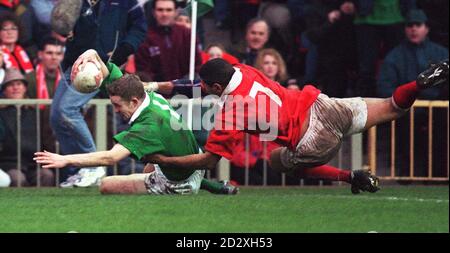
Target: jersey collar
235	81
139	110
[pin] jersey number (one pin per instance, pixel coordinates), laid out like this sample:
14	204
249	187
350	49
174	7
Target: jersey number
166	108
258	87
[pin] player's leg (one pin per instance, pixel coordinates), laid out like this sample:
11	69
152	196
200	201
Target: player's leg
381	110
330	120
68	123
384	110
130	184
67	120
325	172
361	180
222	187
275	160
154	183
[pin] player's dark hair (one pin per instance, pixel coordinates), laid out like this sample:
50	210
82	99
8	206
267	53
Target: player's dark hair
127	87
217	71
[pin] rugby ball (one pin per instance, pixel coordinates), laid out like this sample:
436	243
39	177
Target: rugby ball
88	79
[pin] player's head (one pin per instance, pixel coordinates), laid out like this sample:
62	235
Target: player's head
126	94
215	75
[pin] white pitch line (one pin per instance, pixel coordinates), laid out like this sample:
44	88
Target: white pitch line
379	198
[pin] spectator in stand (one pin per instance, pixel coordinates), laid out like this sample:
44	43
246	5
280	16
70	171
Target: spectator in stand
44	81
15	87
164	55
378	22
14	56
329	25
217	50
36	22
183	18
257	35
48	74
411	57
270	62
401	65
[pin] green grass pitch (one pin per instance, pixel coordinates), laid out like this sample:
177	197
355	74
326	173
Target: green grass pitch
300	209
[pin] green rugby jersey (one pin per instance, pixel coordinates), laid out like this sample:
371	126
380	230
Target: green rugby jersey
114	74
156	128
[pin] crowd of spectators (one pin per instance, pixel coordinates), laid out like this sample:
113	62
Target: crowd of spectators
344	47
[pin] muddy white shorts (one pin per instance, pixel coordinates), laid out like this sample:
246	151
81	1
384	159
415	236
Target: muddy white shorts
331	119
157	183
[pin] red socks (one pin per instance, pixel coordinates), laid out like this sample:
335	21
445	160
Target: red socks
405	95
326	172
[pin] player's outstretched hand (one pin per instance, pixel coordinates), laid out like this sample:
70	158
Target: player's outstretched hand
50	160
89	56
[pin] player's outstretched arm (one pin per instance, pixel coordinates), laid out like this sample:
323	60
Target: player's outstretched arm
164	88
50	160
205	160
91	55
180	86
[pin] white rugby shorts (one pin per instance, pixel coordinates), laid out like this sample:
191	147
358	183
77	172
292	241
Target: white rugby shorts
331	119
157	183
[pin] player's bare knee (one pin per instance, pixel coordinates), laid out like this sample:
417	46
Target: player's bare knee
394	109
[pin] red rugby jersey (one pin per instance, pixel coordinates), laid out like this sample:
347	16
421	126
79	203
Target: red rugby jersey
249	100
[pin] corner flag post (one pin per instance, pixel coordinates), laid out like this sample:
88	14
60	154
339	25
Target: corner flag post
193	39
